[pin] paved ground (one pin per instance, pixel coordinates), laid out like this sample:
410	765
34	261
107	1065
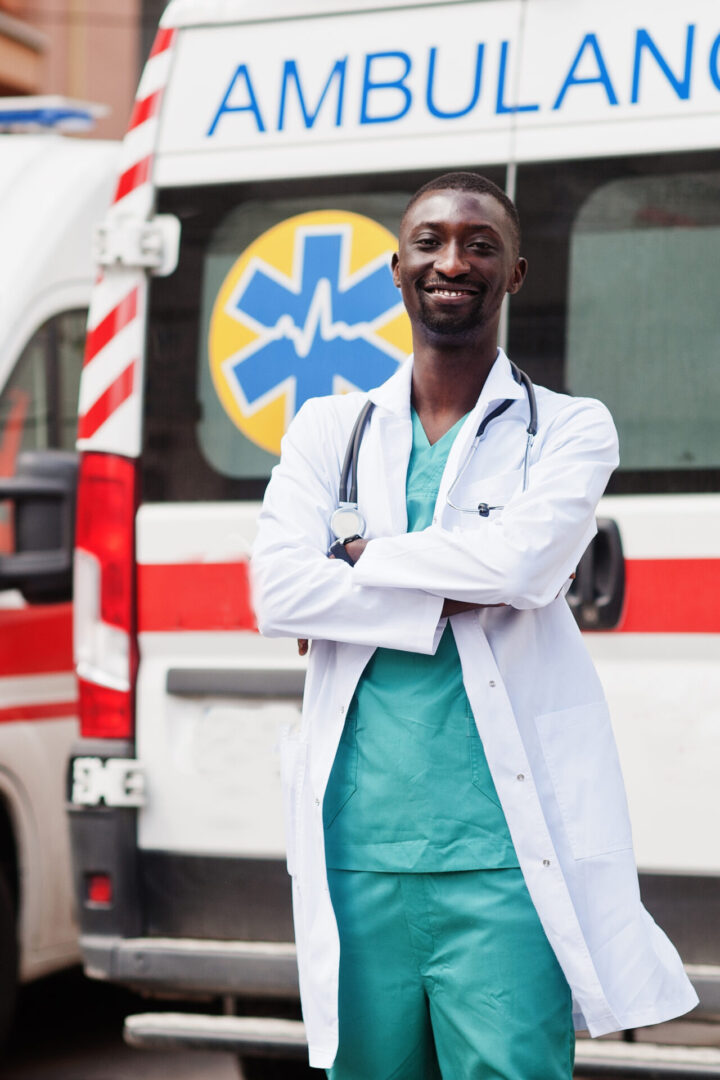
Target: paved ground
69	1028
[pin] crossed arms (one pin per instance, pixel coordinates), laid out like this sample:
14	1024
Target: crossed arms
398	590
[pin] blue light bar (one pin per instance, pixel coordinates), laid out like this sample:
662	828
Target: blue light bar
43	117
52	113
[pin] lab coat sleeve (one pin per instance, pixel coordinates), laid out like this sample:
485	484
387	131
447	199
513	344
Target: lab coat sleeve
524	556
299	592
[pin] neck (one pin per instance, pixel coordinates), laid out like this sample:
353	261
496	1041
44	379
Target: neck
448	380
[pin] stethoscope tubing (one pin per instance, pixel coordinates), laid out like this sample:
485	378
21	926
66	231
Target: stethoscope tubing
348	475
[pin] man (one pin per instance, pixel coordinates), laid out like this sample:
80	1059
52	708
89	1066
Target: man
457	827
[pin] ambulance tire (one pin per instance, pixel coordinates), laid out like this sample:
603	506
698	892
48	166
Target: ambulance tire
271	1069
8	958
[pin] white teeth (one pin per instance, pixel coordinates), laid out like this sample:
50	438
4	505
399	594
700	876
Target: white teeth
447	292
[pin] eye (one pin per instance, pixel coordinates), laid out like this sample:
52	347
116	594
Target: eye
426	241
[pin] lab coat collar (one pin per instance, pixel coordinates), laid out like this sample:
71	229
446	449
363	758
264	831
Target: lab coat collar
394	395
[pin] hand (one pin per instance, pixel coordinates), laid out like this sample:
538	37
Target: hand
456	607
303	645
355	549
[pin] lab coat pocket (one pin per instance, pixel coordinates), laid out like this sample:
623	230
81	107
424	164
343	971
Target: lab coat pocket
293	751
581	757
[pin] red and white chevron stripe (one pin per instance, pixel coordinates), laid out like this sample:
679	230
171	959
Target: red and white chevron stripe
109	406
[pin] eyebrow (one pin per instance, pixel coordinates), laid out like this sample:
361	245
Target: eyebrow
471	227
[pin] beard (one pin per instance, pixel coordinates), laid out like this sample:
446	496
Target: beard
451	323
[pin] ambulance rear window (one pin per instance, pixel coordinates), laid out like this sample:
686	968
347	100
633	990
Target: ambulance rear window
282	292
621	303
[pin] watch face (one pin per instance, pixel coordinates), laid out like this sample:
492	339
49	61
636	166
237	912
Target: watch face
347	521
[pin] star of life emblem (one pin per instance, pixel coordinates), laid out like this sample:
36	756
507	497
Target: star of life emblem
309	309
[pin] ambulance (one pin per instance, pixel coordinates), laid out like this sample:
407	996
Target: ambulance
53	189
244	268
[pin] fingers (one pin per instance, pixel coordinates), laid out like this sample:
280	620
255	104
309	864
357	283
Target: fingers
303	645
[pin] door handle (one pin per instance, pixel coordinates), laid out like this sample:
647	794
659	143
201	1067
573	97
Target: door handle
597	594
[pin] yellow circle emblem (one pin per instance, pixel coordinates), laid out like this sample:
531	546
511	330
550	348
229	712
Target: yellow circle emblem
309	308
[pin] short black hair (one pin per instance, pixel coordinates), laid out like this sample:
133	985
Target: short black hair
470	181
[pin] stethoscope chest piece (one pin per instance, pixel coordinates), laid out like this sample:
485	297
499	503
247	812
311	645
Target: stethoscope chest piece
347	521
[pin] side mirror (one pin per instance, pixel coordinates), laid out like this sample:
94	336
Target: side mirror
43	496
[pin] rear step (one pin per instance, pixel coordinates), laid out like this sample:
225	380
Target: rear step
256	1036
598	1058
264	1037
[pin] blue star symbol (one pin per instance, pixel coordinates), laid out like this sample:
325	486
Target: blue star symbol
317	328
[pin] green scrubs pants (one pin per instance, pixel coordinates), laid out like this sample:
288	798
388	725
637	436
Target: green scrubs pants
447	975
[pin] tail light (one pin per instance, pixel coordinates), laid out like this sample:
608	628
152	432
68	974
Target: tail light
105	624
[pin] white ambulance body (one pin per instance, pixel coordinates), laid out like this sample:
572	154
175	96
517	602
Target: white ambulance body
52	192
283	141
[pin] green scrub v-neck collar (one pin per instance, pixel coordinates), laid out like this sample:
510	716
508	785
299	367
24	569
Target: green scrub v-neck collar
420	439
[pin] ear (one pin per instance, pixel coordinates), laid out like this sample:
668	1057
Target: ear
518	276
395	272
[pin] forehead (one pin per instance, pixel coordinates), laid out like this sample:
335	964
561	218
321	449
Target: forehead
452	209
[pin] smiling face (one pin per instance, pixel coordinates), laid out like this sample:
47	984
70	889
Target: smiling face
456	260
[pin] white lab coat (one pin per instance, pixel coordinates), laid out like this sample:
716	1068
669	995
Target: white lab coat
536	698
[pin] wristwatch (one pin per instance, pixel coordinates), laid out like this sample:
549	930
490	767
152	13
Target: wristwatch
337	548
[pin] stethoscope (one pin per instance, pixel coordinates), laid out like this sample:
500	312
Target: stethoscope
348	523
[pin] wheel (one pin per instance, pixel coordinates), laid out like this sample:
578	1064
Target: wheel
274	1069
8	957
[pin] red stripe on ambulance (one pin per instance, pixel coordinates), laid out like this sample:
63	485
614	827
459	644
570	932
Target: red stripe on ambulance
115	321
133	177
163	41
36	640
663	596
194	596
671	596
110	400
145	109
47	711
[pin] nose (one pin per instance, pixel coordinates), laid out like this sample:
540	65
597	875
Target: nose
451	260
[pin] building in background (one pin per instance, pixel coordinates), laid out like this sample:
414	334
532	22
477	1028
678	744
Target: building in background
86	49
151	12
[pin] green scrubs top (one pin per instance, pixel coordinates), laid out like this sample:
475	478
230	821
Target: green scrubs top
410	788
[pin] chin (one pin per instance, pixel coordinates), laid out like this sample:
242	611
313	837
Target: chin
446	326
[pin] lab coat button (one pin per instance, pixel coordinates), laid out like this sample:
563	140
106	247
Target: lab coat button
546	862
317	802
491	683
520	776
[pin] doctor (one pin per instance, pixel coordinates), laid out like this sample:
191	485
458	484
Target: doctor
464	886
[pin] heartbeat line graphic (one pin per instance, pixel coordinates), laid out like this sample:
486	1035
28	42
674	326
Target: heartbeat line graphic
320	318
314	327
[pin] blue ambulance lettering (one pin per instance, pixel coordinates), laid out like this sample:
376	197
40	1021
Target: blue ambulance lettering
589	43
681	85
325	325
371	85
394	83
443	114
500	106
714	67
291	73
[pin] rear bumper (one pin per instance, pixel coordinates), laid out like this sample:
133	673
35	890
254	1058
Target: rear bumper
186	965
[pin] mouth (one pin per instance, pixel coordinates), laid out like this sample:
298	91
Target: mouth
445	292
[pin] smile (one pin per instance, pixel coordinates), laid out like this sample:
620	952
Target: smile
435	290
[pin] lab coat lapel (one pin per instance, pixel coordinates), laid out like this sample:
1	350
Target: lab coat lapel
389	447
499	386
